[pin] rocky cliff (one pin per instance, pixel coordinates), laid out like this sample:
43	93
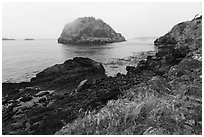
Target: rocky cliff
183	32
89	30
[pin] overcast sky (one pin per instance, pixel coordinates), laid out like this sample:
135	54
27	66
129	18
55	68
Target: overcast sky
46	20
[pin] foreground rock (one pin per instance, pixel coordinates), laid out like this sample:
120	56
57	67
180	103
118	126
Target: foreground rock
69	74
89	30
40	106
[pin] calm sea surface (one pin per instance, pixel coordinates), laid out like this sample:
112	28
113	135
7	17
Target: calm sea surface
22	60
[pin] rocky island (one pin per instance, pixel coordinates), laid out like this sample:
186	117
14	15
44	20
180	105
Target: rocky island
162	94
89	30
7	39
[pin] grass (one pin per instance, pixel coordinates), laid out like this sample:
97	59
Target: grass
146	114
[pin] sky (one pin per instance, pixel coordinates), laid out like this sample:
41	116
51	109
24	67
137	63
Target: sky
131	19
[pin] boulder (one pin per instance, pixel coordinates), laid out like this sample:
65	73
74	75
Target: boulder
89	30
69	74
96	66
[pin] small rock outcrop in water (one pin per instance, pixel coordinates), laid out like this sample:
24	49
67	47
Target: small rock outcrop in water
28	39
162	94
7	39
89	30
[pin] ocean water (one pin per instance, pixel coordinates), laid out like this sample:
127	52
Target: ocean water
22	59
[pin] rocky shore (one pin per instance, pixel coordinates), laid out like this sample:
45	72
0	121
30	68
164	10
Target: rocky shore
162	94
88	30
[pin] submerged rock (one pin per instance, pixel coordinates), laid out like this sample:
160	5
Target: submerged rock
89	30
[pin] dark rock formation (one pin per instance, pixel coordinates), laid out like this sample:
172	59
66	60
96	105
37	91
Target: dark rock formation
184	32
69	74
187	42
53	97
89	30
